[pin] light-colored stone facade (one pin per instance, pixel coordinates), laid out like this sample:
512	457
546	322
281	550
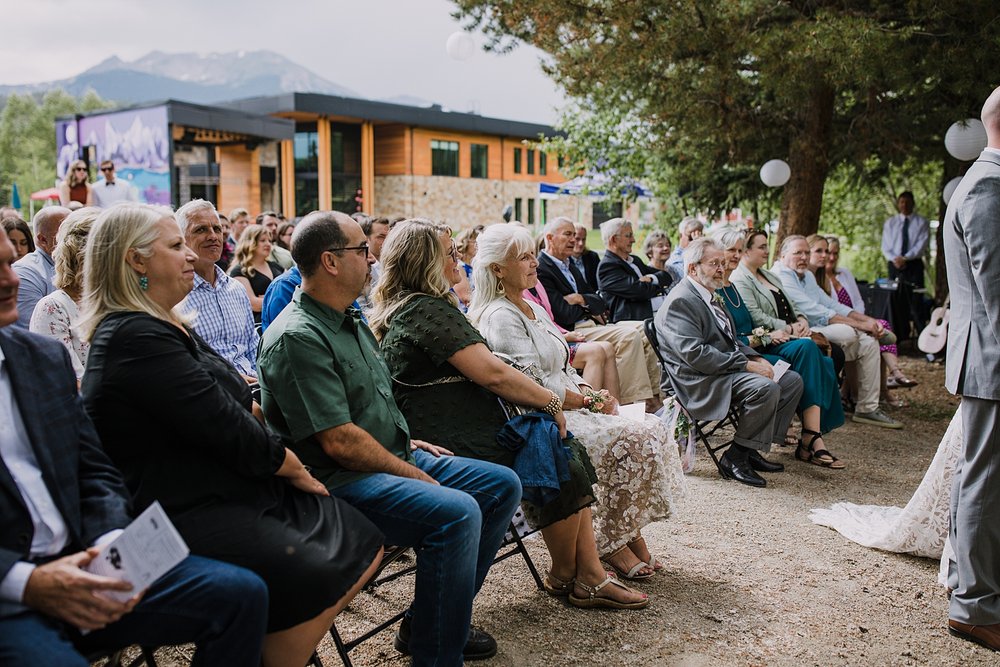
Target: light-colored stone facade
463	202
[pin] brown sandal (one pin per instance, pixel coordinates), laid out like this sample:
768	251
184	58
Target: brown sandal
594	601
556	587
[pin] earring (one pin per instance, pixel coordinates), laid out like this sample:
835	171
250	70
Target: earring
143	283
500	288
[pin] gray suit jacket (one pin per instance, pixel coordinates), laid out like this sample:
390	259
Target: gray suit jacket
971	235
700	358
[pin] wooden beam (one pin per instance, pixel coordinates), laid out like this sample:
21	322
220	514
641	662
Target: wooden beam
368	167
288	178
324	165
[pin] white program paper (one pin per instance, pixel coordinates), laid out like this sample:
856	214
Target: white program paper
635	411
779	368
146	550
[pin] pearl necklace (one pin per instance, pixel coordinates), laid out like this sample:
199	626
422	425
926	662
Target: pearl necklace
725	293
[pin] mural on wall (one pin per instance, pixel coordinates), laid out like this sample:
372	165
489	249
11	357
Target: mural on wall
137	141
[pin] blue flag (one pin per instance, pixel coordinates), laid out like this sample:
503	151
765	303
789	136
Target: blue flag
15	198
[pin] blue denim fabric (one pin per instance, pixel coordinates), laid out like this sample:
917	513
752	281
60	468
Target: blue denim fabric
455	528
220	607
542	461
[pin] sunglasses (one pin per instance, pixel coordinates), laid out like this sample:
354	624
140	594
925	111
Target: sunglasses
107	168
79	169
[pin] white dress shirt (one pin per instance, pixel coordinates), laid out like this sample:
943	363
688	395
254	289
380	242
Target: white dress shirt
108	193
892	237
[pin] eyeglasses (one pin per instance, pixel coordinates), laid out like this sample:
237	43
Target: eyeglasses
107	168
362	249
79	169
453	253
714	264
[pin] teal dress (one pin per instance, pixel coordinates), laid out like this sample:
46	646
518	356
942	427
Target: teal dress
819	380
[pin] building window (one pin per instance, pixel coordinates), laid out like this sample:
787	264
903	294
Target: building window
517	209
480	160
345	167
531	210
559	162
306	153
544	203
517	160
444	158
543	164
531	161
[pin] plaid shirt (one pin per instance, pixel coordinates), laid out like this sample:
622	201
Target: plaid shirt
225	320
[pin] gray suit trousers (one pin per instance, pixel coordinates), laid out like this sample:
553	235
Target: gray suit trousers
765	408
974	571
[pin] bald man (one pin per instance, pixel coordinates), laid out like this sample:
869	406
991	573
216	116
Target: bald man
971	236
37	269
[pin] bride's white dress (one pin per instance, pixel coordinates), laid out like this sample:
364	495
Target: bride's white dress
920	528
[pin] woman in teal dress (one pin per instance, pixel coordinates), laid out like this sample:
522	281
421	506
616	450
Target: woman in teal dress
820	408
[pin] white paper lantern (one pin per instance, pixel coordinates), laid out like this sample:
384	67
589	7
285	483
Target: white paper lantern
775	173
965	139
949	189
460	46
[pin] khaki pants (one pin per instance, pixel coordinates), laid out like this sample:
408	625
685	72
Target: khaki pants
860	347
638	370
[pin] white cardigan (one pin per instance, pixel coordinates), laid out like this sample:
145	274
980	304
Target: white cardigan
846	279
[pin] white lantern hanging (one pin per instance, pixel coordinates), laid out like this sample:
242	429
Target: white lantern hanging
460	46
965	139
775	173
949	189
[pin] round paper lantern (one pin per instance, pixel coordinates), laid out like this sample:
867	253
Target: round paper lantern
949	188
965	139
460	46
775	173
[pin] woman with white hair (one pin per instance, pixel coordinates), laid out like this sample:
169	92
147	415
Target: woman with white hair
638	471
178	421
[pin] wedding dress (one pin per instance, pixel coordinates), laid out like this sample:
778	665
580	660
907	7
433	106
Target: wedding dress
920	528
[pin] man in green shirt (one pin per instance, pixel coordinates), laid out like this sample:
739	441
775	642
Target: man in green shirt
326	389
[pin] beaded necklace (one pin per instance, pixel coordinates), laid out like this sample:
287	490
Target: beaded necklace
725	293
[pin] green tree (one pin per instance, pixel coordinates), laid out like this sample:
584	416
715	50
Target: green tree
721	86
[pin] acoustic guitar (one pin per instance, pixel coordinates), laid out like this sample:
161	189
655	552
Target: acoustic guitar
935	335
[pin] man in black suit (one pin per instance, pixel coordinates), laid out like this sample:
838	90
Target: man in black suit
576	306
583	258
60	500
633	290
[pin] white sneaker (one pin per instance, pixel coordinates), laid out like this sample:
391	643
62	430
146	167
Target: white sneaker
877	418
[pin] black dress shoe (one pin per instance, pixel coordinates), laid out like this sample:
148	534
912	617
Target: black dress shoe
741	472
760	464
479	646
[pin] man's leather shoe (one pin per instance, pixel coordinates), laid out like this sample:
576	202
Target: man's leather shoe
479	646
984	635
760	464
741	472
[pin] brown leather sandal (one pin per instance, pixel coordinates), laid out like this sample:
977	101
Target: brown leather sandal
595	601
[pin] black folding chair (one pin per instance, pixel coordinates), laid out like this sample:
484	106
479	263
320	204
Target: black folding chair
703	430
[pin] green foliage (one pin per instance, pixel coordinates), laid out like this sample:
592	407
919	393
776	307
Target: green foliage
28	139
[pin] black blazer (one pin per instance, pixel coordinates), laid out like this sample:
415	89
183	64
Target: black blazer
86	488
556	286
628	296
590	260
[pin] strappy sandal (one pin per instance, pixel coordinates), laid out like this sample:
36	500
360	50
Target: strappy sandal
632	574
820	457
593	601
557	587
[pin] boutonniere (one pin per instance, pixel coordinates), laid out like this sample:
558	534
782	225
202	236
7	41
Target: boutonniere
718	299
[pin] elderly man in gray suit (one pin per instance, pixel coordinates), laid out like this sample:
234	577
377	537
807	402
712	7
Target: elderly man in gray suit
712	369
971	234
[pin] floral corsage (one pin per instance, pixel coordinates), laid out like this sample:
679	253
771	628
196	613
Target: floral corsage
760	337
717	298
596	401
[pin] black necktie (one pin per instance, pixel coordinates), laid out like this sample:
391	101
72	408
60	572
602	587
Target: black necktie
906	237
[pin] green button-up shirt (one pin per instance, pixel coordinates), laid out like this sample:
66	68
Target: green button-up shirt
320	368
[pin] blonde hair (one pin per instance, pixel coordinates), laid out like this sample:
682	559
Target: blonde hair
71	244
497	244
71	179
247	246
111	285
412	265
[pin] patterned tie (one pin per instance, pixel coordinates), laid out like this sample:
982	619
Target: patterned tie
722	318
906	236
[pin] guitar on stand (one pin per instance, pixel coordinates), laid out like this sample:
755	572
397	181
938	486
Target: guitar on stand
935	335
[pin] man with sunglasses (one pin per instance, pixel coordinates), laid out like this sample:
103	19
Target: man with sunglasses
109	190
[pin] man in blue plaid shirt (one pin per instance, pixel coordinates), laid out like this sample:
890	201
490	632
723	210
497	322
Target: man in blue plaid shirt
223	316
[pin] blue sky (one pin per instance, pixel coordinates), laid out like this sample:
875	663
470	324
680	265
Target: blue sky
380	48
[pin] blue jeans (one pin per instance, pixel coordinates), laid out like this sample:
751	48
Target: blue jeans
455	528
220	607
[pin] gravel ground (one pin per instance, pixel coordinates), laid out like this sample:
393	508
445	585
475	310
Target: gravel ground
749	579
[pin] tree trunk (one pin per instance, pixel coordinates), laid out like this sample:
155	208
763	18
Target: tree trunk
809	160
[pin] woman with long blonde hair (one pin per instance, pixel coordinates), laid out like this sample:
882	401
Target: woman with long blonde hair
251	267
75	187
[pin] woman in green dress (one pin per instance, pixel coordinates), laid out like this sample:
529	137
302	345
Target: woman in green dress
819	408
446	382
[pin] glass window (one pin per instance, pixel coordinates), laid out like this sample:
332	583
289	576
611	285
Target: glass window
345	167
531	161
444	158
517	209
306	153
480	160
543	163
545	210
531	210
517	160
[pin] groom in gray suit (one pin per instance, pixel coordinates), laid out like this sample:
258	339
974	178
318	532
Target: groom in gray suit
712	369
971	234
